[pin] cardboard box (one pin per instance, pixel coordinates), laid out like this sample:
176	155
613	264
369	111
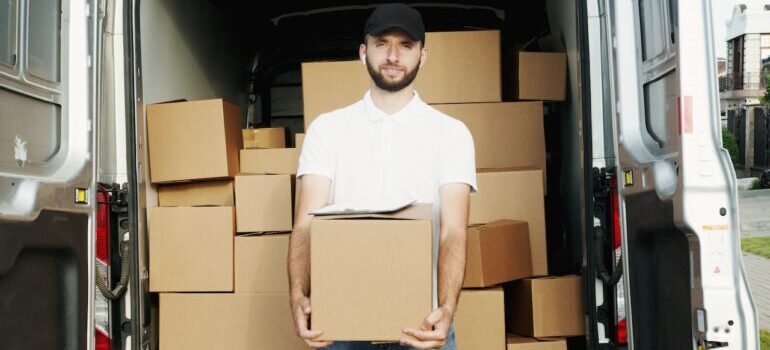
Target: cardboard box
196	194
260	263
546	307
239	321
264	138
536	71
497	252
540	76
299	139
515	194
480	320
462	67
282	161
516	342
264	203
193	140
505	135
371	275
191	249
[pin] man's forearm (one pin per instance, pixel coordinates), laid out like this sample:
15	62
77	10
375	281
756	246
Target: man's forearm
299	262
451	266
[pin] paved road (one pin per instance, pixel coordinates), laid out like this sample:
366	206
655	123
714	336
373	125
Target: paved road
758	273
754	212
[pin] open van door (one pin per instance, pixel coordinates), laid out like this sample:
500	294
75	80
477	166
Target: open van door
47	182
685	287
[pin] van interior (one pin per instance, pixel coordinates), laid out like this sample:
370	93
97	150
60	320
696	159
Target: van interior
251	53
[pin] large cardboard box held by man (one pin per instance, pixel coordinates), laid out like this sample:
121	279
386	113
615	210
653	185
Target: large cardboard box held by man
462	67
480	319
193	140
515	194
260	263
232	321
371	274
264	203
497	252
197	194
505	135
191	249
546	307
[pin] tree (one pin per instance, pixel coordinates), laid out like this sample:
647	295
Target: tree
730	144
766	98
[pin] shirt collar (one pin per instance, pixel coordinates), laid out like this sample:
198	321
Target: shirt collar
402	116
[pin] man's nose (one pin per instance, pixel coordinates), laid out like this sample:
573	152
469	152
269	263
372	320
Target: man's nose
393	53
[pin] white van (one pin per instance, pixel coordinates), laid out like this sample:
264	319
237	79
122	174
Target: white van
635	153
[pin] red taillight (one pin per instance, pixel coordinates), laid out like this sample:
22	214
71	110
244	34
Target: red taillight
102	340
103	227
622	332
615	210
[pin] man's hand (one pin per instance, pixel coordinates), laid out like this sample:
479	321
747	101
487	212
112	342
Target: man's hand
432	333
301	311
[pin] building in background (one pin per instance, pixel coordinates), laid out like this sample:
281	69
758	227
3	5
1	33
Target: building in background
748	46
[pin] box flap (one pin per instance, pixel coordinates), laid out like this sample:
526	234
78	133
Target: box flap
413	211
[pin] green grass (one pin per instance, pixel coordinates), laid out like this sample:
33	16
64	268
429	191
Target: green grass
764	339
757	245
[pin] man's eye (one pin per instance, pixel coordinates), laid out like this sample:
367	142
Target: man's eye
379	44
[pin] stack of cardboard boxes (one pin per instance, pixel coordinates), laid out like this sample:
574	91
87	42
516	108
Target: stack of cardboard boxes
506	236
219	235
221	285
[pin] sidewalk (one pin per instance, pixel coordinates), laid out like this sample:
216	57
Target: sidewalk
754	213
758	273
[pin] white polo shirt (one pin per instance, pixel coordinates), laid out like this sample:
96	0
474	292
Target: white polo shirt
407	155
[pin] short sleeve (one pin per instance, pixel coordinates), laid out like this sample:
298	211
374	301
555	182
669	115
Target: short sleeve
317	156
458	160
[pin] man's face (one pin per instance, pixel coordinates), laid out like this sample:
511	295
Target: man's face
392	59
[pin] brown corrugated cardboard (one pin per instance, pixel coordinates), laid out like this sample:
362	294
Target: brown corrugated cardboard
269	161
260	263
193	140
264	138
264	202
497	252
327	86
511	194
516	342
371	275
480	320
462	67
195	194
299	139
546	307
191	249
541	76
239	321
505	135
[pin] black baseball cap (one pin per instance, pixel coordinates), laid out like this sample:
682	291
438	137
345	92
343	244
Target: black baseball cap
395	15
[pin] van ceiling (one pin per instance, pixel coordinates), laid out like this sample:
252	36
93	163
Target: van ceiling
329	29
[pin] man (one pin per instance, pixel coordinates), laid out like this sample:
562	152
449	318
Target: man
389	145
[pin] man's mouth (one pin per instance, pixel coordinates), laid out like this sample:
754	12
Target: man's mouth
392	70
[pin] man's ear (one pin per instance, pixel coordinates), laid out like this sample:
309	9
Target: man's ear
423	56
362	53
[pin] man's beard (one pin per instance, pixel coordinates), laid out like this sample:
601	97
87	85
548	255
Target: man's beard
391	86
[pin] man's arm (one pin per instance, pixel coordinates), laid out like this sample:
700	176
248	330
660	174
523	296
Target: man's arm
313	194
455	204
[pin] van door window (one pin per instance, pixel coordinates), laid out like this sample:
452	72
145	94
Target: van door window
44	44
658	76
8	32
652	42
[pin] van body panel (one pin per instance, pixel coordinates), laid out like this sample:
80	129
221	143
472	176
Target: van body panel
684	281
